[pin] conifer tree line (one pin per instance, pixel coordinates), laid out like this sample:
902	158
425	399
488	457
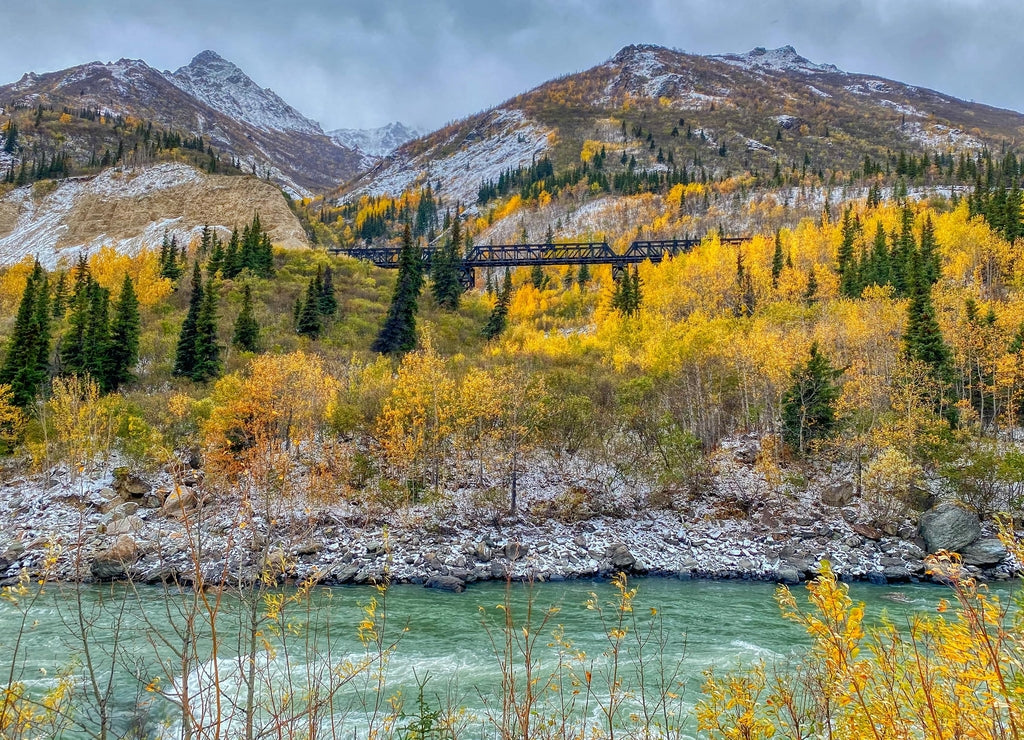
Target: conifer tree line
627	294
318	307
100	339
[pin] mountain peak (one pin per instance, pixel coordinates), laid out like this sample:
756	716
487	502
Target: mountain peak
207	56
783	59
375	142
224	87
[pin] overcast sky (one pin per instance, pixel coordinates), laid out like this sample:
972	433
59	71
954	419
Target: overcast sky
362	63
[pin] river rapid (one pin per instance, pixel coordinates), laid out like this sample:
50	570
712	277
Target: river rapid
142	640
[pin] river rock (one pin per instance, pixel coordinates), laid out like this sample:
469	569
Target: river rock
984	552
788	575
896	573
620	557
127	525
446	583
866	531
179	502
482	552
949	527
132	486
837	495
114	562
515	550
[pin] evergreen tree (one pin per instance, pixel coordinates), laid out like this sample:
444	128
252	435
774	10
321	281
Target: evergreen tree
26	363
847	266
72	345
232	264
124	337
215	265
326	300
60	296
777	260
309	324
185	356
808	405
811	293
97	336
247	331
929	260
498	319
922	337
207	350
398	333
537	276
584	276
445	269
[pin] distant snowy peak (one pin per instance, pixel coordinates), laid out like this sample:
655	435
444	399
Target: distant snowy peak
226	88
783	59
375	142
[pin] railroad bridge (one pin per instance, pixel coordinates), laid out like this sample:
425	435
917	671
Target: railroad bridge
529	255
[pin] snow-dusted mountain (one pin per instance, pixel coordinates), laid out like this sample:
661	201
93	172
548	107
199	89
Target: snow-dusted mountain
210	97
375	142
226	88
650	108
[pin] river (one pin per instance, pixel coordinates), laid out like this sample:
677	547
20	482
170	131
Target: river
442	644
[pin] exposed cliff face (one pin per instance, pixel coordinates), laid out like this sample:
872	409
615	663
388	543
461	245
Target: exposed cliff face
129	209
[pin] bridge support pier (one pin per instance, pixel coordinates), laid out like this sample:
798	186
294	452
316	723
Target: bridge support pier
467	277
617	272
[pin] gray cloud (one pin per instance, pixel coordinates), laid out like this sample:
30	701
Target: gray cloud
363	63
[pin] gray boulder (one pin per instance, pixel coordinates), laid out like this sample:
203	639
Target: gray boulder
446	583
114	562
949	527
984	552
837	495
620	557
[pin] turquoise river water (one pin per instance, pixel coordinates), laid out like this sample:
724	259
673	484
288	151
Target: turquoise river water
310	668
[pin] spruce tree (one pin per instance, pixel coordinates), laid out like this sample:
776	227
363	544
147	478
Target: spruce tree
309	324
537	276
124	336
398	333
498	319
59	303
584	276
97	336
185	356
327	301
247	331
808	405
207	351
444	269
26	363
777	260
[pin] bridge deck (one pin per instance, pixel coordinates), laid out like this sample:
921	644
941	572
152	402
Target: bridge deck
527	255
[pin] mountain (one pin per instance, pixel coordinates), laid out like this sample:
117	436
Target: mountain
226	88
129	209
210	97
716	114
375	142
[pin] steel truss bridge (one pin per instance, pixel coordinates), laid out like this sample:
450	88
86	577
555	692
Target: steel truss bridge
529	255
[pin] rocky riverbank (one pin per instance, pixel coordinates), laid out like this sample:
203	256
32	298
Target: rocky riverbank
167	526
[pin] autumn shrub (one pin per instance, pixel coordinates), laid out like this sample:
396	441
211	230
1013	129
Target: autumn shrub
950	674
891	486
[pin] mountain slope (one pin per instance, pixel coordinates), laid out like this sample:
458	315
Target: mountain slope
129	209
268	138
226	88
375	142
718	114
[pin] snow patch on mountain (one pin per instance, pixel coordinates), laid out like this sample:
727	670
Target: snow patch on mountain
783	59
226	88
940	137
504	138
376	142
42	221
